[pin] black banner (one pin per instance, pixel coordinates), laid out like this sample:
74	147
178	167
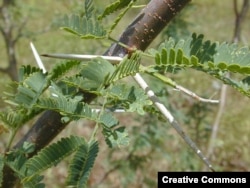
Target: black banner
206	178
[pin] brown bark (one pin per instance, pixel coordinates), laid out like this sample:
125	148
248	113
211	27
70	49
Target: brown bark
147	25
139	34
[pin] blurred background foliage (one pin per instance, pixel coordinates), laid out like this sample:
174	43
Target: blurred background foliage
154	146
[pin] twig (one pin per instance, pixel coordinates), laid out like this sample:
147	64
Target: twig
195	96
181	88
152	97
216	124
113	59
171	119
117	59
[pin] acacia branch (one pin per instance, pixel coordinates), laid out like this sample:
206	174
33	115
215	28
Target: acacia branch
170	118
195	96
139	34
142	83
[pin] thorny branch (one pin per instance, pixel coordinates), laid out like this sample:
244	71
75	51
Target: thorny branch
140	33
161	107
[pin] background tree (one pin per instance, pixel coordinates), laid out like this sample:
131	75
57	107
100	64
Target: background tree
11	31
14	17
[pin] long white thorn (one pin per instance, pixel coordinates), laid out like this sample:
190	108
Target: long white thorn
112	59
108	110
116	60
39	62
37	58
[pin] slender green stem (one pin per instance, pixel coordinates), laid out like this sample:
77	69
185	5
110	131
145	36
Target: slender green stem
147	55
171	83
164	79
120	43
12	136
93	135
139	6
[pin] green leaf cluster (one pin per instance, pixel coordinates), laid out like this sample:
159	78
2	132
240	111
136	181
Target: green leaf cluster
60	90
89	25
29	170
83	27
115	6
214	59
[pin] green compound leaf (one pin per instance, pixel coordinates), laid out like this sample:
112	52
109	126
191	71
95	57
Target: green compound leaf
131	98
15	118
62	68
16	160
236	59
92	76
71	108
82	164
86	26
83	27
212	58
108	120
53	154
30	89
25	71
115	6
49	157
117	137
129	66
